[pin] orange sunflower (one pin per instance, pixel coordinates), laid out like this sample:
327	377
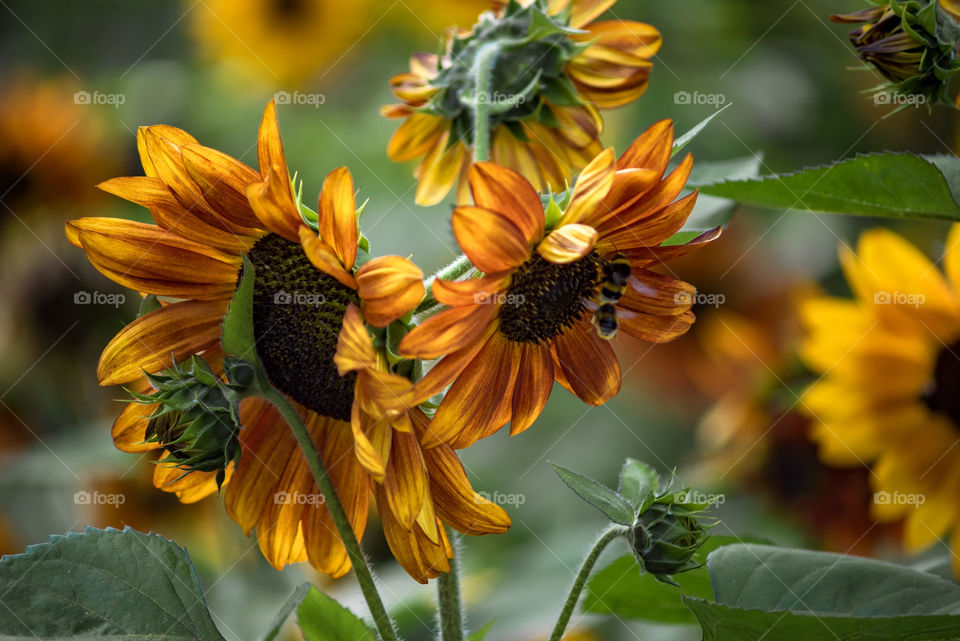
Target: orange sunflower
209	210
511	332
544	94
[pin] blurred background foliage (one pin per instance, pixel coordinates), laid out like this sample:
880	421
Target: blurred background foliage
719	406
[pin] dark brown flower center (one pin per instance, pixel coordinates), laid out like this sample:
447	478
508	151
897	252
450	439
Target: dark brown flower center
297	315
544	298
289	11
944	393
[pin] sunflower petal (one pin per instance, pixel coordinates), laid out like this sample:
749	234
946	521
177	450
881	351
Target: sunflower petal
505	191
455	500
568	243
151	341
389	287
448	331
592	185
491	240
588	364
338	215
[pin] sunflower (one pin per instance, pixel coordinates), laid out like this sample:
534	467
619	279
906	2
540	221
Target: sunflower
556	84
890	366
290	42
416	490
209	210
524	323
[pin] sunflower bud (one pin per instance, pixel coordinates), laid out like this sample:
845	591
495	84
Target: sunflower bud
912	43
533	49
196	418
667	536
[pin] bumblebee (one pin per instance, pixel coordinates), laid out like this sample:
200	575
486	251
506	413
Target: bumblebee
616	278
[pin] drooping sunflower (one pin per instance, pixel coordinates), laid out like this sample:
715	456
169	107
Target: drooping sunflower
289	42
210	209
544	94
890	360
416	490
525	323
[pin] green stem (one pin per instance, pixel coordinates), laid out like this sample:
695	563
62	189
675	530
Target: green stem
581	581
449	608
364	576
482	70
460	266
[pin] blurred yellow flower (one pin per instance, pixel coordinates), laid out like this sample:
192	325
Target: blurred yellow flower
285	42
890	360
544	94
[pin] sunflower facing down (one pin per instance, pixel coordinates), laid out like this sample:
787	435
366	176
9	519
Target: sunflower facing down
525	323
891	364
209	209
417	490
545	134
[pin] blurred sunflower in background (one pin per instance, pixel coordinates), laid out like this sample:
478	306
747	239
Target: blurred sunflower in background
209	209
47	130
891	364
547	89
525	323
285	42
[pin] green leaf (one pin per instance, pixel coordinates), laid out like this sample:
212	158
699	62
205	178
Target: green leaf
712	211
481	634
323	619
237	330
896	185
774	578
284	613
638	484
799	594
621	589
720	623
617	508
104	583
688	137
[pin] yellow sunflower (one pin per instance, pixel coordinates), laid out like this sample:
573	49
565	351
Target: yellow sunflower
545	134
209	209
525	323
289	42
890	361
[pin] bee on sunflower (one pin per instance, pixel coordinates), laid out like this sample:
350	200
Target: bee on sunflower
550	67
888	395
211	210
507	335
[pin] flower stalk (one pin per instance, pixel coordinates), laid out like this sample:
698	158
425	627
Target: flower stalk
482	70
449	606
580	581
362	570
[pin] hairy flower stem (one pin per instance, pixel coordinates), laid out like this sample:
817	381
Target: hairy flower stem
460	266
360	567
482	70
581	581
449	608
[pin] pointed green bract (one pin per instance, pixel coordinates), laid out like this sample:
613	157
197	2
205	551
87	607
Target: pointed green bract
638	484
237	330
615	507
687	138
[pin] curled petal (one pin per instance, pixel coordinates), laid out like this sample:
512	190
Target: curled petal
389	287
568	243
